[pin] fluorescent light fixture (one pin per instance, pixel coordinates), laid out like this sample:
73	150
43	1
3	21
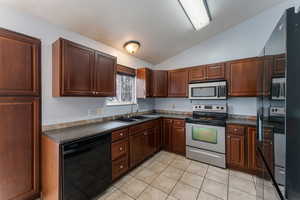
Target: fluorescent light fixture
197	12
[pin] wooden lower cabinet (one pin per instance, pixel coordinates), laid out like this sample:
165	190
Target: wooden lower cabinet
236	151
178	140
242	148
19	147
142	139
119	167
137	145
174	136
158	134
167	131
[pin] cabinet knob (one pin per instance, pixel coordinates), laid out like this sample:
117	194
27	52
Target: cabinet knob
121	134
121	166
235	129
121	148
228	136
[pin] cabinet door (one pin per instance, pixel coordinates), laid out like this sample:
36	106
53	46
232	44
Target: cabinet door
137	148
19	64
144	83
178	140
215	71
78	65
279	65
197	74
236	151
158	136
177	83
244	75
251	138
160	83
167	131
105	75
19	147
150	143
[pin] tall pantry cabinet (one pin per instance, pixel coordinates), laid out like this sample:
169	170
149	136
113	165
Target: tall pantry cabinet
20	121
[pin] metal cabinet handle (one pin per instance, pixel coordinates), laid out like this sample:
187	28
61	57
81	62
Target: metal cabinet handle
121	134
235	129
121	166
228	136
121	148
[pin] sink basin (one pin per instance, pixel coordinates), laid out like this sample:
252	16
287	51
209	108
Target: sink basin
140	117
123	119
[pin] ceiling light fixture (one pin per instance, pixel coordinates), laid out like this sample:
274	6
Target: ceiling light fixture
197	11
132	46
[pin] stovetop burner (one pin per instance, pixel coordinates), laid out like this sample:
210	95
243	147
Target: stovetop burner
215	115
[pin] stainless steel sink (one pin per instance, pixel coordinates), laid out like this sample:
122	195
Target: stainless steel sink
125	119
140	117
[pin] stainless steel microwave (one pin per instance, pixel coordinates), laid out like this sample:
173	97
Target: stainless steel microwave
278	89
208	90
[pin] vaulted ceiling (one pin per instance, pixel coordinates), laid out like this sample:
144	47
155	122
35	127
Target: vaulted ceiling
160	25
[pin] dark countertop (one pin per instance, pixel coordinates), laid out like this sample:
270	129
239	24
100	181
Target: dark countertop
74	133
248	122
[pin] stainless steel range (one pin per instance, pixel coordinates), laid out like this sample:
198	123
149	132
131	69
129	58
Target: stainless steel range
277	117
205	134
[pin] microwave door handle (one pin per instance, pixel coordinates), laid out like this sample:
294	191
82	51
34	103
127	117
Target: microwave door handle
218	91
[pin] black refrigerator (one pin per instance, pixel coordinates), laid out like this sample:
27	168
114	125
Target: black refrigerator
278	113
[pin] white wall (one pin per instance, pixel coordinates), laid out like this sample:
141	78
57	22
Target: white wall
237	106
244	40
55	110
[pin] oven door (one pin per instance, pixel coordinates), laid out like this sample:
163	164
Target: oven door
206	137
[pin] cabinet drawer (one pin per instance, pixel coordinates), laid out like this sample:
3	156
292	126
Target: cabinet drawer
178	123
120	134
140	127
119	167
236	130
119	149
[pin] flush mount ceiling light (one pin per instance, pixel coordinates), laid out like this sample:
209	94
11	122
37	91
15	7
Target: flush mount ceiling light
132	46
197	11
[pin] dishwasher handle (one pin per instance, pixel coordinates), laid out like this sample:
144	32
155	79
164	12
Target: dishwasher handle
77	151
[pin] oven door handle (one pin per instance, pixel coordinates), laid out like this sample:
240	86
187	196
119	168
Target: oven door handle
206	153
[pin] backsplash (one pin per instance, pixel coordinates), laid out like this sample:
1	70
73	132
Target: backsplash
236	106
91	108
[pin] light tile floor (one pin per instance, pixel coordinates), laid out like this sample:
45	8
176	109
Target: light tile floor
167	176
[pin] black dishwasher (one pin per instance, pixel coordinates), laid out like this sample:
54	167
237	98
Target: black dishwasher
86	167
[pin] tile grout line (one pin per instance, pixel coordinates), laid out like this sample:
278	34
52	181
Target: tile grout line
202	183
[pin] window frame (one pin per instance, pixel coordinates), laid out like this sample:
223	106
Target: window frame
110	102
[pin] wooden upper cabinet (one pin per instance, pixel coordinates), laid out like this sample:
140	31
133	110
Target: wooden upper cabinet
19	147
178	83
105	74
76	70
279	65
144	84
244	77
215	71
197	74
19	64
159	83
